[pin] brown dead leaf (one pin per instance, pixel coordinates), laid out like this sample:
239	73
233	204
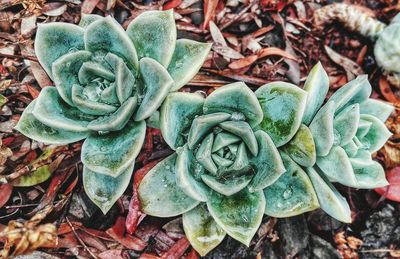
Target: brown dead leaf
352	68
54	8
89	5
243	62
387	92
273	51
40	75
209	11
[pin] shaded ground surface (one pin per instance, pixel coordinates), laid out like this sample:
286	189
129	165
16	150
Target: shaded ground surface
262	41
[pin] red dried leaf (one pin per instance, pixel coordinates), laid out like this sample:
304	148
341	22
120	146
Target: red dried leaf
209	12
134	214
172	4
5	193
148	256
192	254
131	242
387	92
272	51
8	141
89	5
243	62
392	191
113	253
177	250
33	91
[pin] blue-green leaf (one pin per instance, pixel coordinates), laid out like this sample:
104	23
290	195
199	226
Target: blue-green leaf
376	108
87	19
268	163
203	233
301	147
108	36
235	98
51	110
283	105
317	86
56	39
105	190
330	200
321	129
239	215
157	83
186	61
292	194
346	124
159	194
34	129
154	35
176	116
114	152
377	134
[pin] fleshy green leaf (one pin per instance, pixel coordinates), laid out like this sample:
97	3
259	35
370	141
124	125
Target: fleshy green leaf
33	178
124	80
56	39
157	84
87	19
224	139
186	61
34	129
283	106
202	125
346	124
176	115
330	200
108	36
376	108
154	35
242	129
317	86
235	98
268	163
321	129
65	72
372	176
292	194
239	215
337	167
118	119
377	135
52	111
105	190
91	70
203	154
188	172
363	128
85	105
160	195
113	153
227	185
353	92
301	147
201	230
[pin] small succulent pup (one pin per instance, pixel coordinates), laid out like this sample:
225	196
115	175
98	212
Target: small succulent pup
241	154
107	82
387	37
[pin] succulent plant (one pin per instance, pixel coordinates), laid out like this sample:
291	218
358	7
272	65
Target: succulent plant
108	81
240	155
387	37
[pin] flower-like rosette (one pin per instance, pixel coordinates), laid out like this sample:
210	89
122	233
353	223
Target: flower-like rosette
108	81
221	165
332	142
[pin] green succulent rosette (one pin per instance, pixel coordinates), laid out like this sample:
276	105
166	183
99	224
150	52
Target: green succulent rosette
387	50
240	155
108	81
331	141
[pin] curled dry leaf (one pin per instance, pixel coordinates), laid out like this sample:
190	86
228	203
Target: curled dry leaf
209	11
5	193
352	68
387	92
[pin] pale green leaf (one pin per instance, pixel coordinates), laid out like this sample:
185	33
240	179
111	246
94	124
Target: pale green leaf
301	147
321	129
244	131
346	124
376	108
87	19
377	134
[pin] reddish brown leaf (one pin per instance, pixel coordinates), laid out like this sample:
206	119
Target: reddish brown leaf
172	4
5	193
113	253
387	92
131	242
177	250
33	91
392	191
192	254
243	62
273	51
134	214
40	75
89	5
148	256
209	12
